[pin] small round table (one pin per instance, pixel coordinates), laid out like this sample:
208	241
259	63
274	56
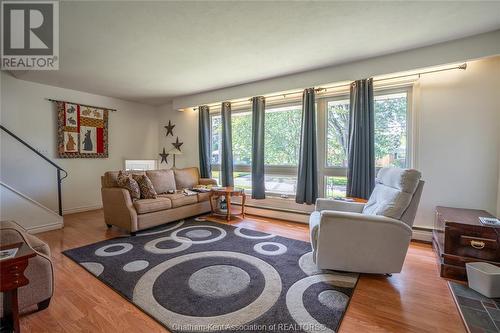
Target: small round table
227	192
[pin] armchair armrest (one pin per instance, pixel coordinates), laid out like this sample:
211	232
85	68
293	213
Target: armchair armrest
207	181
363	220
339	205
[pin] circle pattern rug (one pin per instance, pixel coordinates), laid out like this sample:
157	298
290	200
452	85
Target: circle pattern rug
199	276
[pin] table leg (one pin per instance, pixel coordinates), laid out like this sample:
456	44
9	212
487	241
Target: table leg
210	198
228	204
243	199
10	320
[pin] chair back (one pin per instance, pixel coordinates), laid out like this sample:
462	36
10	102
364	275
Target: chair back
394	192
408	216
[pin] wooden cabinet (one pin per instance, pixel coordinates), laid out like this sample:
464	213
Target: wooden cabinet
459	237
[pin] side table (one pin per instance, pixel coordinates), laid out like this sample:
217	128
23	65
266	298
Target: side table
227	192
12	272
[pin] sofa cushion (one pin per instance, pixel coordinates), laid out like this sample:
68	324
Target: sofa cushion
203	196
147	189
163	180
110	178
126	181
143	206
186	178
393	192
179	199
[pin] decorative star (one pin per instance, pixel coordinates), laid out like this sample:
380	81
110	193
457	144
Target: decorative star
177	144
164	156
170	128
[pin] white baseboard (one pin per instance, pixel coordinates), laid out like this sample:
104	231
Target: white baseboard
81	209
421	234
46	227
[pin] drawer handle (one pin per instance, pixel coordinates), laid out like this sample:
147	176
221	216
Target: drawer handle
477	244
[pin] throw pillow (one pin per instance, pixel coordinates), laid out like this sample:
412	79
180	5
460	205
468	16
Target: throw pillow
146	187
126	181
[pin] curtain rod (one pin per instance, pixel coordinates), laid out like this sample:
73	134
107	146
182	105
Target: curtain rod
89	106
462	67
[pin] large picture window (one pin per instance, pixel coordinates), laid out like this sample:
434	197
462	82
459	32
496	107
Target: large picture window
282	141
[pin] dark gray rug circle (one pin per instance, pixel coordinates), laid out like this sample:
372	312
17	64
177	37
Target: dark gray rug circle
173	291
219	281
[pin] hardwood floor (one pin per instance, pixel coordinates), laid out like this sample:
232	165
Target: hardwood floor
417	300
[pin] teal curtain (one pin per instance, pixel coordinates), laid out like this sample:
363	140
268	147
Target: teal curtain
361	160
204	137
307	178
258	174
226	163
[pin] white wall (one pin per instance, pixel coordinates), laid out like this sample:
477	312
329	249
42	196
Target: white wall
458	147
186	128
133	134
32	217
459	50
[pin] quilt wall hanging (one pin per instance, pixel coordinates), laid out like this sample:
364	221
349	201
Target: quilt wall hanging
82	131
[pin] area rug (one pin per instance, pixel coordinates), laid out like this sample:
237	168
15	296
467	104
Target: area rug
200	276
479	313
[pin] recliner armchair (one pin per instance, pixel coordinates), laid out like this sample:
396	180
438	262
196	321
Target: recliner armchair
372	237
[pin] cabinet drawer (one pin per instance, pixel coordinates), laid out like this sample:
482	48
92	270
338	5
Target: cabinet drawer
472	244
13	275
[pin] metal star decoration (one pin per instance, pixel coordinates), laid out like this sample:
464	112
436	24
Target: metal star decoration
164	156
177	144
170	128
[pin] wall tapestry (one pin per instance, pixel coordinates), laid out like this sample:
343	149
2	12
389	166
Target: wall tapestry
82	131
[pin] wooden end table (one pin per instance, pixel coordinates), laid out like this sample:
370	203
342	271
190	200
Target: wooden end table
12	272
227	192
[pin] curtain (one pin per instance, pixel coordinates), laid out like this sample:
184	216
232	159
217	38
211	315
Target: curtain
204	141
361	160
258	116
226	163
307	178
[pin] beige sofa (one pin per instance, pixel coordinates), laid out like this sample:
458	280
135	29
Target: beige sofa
133	215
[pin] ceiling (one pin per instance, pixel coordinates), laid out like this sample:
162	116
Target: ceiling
150	52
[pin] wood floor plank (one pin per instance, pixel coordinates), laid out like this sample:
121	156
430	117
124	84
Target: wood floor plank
416	300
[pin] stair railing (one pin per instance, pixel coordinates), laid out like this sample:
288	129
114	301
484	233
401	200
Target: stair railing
58	168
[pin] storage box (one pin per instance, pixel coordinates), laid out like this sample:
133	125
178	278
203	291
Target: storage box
484	278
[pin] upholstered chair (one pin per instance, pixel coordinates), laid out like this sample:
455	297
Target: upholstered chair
372	237
39	272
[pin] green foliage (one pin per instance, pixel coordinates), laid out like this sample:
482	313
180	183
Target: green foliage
282	137
390	130
337	134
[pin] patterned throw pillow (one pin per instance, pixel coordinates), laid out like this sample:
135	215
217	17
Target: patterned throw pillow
126	181
146	187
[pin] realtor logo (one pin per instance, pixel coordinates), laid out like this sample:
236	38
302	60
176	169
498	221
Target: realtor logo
30	35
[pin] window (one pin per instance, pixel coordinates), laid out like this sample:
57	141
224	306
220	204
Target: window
391	132
140	165
281	153
391	136
282	141
337	133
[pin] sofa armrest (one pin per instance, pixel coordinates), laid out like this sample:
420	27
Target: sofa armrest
207	181
339	205
118	208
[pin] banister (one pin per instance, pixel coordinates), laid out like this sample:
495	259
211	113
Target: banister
59	169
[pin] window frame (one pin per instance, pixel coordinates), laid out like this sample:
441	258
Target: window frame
324	170
278	170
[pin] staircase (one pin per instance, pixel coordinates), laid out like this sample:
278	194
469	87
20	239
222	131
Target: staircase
20	207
